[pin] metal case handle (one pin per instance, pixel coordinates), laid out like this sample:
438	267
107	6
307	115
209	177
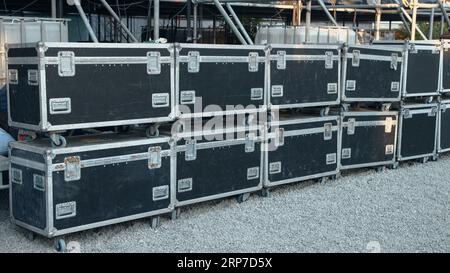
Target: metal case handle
154	157
193	62
329	60
72	170
153	63
191	150
355	58
281	60
253	62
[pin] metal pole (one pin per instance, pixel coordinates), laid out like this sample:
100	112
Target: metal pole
85	21
195	22
230	22
308	21
410	20
322	4
377	21
414	19
156	19
238	22
53	8
430	33
441	5
114	15
188	20
402	17
442	24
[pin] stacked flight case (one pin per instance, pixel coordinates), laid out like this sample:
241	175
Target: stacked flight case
372	81
302	138
443	136
418	109
216	84
62	183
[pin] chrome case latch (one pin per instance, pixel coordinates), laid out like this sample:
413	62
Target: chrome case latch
351	126
249	143
72	169
355	58
154	157
279	137
394	61
329	60
153	63
327	131
193	62
66	64
253	64
281	60
191	150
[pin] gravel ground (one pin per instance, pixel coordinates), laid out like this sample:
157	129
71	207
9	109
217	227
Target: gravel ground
403	210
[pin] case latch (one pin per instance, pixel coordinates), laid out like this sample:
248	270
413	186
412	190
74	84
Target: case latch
443	108
193	62
412	48
154	157
351	126
191	150
249	143
72	170
329	60
388	125
281	60
394	61
33	78
355	58
66	64
153	63
13	76
279	137
253	62
327	131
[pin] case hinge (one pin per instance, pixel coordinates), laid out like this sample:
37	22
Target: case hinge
191	150
153	63
327	131
66	64
250	143
394	61
351	126
279	137
253	64
355	58
193	62
329	60
154	157
281	60
72	169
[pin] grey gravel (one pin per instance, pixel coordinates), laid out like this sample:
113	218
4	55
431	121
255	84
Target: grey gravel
402	210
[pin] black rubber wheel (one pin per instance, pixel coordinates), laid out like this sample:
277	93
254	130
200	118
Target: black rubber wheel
61	142
264	193
31	236
241	198
155	222
380	169
152	131
175	214
60	245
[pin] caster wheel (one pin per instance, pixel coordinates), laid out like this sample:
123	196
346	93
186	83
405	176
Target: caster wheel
59	141
241	198
60	245
152	131
424	160
393	166
155	222
380	169
175	214
434	158
264	193
324	111
321	180
335	177
31	236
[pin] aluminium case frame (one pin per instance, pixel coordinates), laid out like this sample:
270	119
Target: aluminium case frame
314	57
48	168
257	140
41	61
348	59
343	124
302	132
180	59
412	110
